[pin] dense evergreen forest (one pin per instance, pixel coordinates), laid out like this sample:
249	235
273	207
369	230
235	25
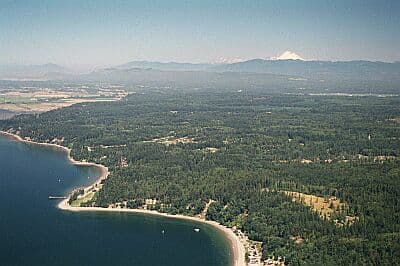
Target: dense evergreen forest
242	149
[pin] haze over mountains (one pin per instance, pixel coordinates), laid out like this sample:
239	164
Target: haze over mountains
287	63
280	67
33	72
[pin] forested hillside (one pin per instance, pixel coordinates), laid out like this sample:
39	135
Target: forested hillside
243	150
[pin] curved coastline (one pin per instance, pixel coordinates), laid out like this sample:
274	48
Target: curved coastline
103	169
237	248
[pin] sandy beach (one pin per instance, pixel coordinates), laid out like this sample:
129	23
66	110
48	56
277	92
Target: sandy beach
237	248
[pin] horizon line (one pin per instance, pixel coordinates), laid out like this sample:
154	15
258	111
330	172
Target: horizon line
191	62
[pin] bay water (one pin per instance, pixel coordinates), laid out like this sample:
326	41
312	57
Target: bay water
33	231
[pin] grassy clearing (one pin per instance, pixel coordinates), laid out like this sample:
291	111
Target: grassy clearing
211	149
173	141
77	203
328	208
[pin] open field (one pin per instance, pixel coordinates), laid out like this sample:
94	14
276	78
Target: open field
172	140
89	196
327	208
38	100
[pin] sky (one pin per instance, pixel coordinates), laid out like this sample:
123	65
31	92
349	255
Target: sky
99	33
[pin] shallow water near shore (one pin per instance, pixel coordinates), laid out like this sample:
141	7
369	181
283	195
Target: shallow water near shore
34	232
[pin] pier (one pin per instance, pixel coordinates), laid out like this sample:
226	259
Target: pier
56	197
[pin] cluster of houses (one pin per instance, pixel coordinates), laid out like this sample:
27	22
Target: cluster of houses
276	262
254	255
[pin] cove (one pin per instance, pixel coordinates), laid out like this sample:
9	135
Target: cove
34	231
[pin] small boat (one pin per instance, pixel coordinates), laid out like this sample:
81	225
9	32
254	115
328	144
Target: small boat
196	230
162	231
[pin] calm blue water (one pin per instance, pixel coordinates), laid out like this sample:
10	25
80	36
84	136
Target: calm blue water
34	232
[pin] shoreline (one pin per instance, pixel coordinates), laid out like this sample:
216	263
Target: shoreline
103	169
237	248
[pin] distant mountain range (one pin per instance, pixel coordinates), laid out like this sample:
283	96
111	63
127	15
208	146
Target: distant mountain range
295	69
171	66
353	70
33	72
306	69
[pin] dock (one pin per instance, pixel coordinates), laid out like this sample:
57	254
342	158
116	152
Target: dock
56	197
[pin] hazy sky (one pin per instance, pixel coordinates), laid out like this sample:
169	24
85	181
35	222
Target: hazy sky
80	32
